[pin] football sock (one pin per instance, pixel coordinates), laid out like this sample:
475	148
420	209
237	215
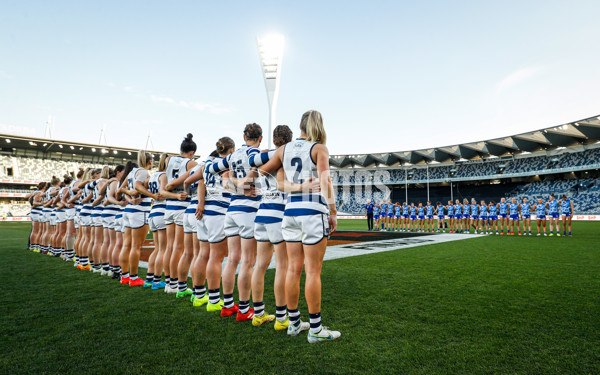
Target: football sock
199	291
280	312
106	266
174	282
294	316
125	275
228	300
259	308
156	278
133	277
315	322
182	286
149	277
213	295
244	306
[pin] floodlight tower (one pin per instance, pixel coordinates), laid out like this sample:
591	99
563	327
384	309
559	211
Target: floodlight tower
270	53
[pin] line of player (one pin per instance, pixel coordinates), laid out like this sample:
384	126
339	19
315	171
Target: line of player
482	217
242	205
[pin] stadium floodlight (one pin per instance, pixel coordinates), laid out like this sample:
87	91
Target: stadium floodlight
72	148
270	53
7	140
32	143
115	152
93	149
61	146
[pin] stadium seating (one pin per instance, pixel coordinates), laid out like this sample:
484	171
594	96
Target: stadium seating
38	169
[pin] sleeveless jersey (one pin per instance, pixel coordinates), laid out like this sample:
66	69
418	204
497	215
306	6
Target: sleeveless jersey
217	197
483	211
525	208
413	211
405	210
566	207
110	210
458	208
440	211
176	167
540	209
552	207
146	201
298	167
429	210
158	207
397	210
493	210
514	209
390	209
421	211
503	208
450	210
272	206
474	209
384	209
61	194
375	210
191	208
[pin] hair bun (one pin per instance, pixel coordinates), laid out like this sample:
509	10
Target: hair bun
189	137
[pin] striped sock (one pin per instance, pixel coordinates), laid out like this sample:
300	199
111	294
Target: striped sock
149	277
244	306
77	258
133	277
118	269
315	322
106	266
259	308
213	296
125	275
173	283
168	280
294	316
85	261
228	299
280	312
182	286
157	278
199	291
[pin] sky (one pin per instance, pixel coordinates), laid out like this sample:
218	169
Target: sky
386	75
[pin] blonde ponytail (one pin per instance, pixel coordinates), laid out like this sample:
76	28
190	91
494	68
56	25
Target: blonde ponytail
312	125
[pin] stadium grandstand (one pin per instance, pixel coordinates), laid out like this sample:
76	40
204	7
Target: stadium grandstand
26	161
562	159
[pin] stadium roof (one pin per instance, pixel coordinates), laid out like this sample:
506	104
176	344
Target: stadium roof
577	133
65	150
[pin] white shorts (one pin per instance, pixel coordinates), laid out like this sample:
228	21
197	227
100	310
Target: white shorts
53	219
239	224
61	216
45	217
108	222
118	226
97	221
268	232
189	223
76	221
157	223
211	228
175	216
70	213
135	220
33	216
309	229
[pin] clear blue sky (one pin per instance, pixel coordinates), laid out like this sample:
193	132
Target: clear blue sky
386	75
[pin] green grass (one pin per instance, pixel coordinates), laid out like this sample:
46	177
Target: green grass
484	305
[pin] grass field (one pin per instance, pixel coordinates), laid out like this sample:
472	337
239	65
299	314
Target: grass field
523	305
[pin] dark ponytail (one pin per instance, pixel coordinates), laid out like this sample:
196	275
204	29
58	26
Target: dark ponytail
128	168
188	145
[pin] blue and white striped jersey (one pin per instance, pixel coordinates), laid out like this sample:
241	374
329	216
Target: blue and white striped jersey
540	209
566	207
138	174
158	207
553	207
525	208
272	206
191	209
217	197
239	164
299	166
514	209
176	167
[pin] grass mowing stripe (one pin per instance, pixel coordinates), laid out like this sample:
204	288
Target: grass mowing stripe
486	305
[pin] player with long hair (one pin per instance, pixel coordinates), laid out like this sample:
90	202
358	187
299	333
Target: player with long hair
566	212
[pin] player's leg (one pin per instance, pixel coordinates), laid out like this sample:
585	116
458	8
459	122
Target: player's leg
138	236
198	270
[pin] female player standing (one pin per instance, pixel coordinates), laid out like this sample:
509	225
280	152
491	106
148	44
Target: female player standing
484	222
213	201
458	217
36	213
450	208
441	217
156	223
97	220
177	171
115	228
397	216
514	209
136	219
566	206
526	215
493	209
474	215
553	215
307	221
239	227
405	217
390	215
540	216
413	225
503	213
376	215
429	212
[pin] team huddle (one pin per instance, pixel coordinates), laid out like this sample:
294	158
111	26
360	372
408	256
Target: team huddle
484	218
242	204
